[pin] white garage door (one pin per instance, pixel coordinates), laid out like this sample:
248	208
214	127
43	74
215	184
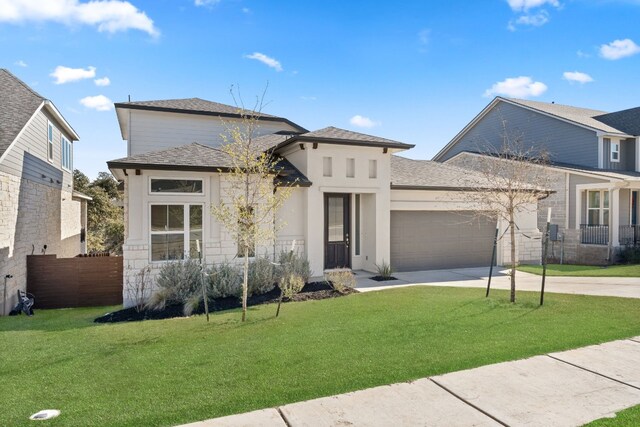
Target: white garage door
427	240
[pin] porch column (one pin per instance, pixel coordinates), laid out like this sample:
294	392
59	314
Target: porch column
600	151
614	217
578	207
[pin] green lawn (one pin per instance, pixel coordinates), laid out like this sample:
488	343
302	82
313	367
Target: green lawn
584	270
174	371
627	418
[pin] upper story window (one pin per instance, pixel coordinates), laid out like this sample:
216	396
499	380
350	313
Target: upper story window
67	153
327	166
373	168
179	186
615	151
351	168
50	141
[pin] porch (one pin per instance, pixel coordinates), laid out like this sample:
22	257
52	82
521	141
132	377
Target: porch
628	235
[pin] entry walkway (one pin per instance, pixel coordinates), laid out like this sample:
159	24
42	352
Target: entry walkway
569	388
626	287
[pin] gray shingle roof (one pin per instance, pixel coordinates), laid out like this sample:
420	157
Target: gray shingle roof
582	116
197	157
628	121
333	135
18	102
411	173
187	104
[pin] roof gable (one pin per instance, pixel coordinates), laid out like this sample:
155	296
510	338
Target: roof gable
18	103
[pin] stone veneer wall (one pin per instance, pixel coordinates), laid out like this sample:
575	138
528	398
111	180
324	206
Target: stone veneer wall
528	249
33	214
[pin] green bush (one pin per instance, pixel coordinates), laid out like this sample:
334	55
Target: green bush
629	255
262	276
178	282
341	280
384	270
225	280
293	263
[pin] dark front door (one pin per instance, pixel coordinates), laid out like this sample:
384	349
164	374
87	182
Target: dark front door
336	231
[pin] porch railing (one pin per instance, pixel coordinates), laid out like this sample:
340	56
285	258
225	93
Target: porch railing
630	235
594	234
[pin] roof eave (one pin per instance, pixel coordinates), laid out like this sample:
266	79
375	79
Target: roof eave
338	141
67	127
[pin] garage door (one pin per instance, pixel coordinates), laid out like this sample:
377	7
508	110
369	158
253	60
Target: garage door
426	240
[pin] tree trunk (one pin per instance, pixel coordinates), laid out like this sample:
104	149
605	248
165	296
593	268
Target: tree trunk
279	301
245	282
514	261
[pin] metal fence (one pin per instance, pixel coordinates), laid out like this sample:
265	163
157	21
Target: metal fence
594	234
630	235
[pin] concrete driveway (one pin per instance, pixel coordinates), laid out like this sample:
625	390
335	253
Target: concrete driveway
626	287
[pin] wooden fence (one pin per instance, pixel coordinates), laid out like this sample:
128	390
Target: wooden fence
74	282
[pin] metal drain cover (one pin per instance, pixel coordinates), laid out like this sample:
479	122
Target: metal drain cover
45	414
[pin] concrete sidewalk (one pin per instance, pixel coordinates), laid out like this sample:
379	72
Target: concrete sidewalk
626	287
569	388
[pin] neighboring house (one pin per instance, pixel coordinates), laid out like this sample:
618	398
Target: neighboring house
37	203
594	164
356	204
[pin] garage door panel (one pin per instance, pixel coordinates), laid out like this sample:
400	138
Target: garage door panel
423	240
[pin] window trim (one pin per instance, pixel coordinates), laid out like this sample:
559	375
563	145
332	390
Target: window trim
186	232
601	209
373	167
612	151
151	193
66	151
327	161
350	166
50	148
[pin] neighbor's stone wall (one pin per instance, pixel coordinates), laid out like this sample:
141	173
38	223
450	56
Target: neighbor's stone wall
136	258
528	248
33	215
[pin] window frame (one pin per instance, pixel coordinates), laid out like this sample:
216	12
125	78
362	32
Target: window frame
327	166
50	132
616	144
169	178
601	209
350	166
186	231
66	150
373	169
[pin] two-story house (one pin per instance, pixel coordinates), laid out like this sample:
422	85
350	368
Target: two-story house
594	164
356	203
38	206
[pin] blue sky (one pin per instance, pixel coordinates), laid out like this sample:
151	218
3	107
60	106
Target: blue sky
413	71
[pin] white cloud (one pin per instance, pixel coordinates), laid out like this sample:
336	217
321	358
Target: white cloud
21	63
246	10
268	61
66	75
582	54
619	49
517	87
98	103
525	5
535	20
107	15
104	81
363	122
206	2
577	76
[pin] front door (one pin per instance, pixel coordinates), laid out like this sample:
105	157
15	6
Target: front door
336	231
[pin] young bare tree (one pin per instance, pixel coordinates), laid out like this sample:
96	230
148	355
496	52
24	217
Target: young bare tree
510	179
250	194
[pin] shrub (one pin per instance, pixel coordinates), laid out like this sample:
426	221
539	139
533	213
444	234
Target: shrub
629	255
225	280
293	263
178	282
384	270
341	280
262	276
138	288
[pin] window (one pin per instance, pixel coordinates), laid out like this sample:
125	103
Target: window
615	151
598	207
50	141
174	228
66	150
326	166
357	225
373	168
351	168
176	186
247	225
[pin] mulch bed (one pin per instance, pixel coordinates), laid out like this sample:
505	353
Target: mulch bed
311	291
382	279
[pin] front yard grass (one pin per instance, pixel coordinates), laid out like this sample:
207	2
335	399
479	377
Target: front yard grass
630	417
167	372
584	270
